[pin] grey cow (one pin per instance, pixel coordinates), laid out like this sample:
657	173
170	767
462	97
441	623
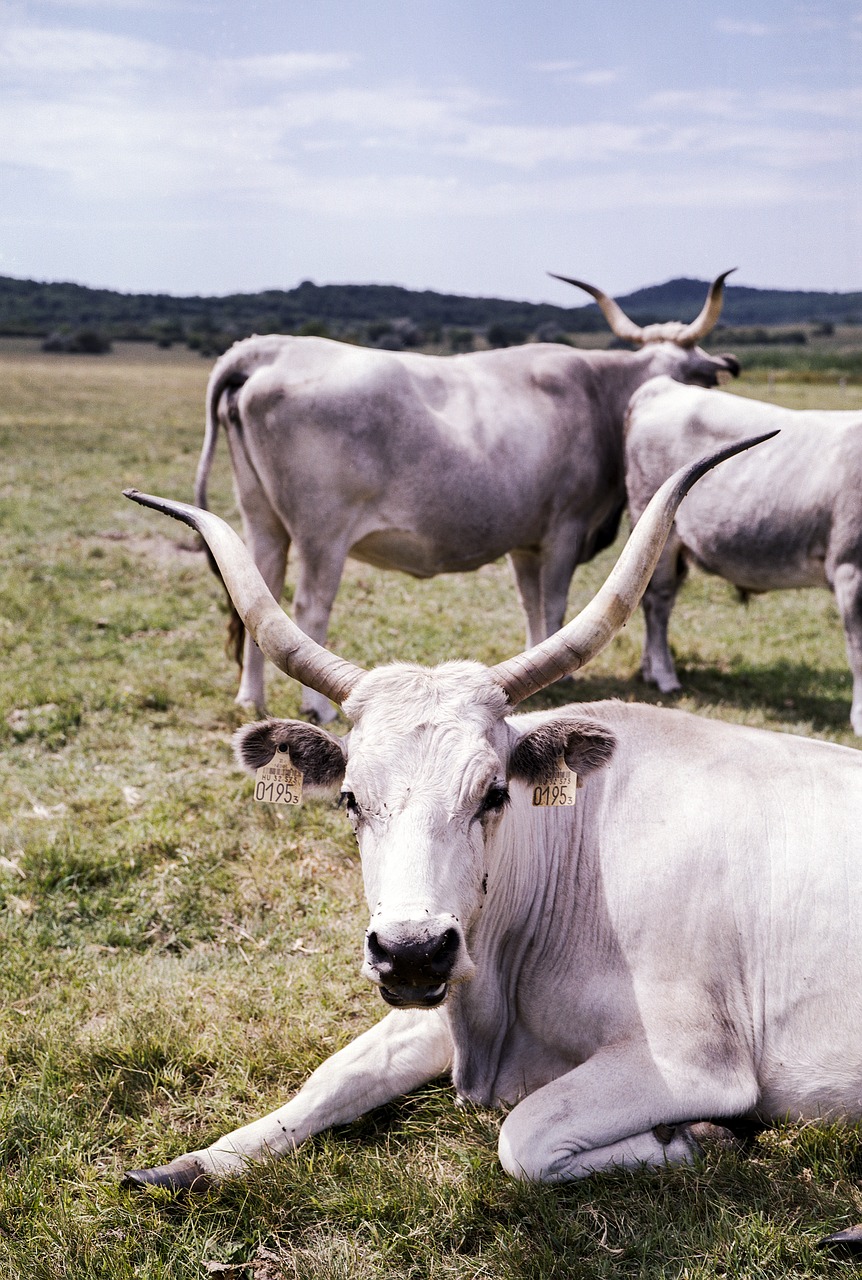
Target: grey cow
433	465
662	951
786	515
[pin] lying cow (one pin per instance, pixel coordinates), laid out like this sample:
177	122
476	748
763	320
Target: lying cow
433	465
677	944
786	515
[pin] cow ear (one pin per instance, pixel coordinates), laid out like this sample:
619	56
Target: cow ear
584	744
319	756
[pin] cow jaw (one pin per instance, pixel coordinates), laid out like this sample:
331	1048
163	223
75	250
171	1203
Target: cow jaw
421	767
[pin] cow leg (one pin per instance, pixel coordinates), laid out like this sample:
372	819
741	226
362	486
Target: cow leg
657	665
319	574
847	585
527	569
269	544
543	578
403	1051
615	1109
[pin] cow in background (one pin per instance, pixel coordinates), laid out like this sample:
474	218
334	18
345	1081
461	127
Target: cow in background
786	515
433	464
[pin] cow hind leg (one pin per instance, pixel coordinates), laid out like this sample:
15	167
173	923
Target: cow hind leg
527	570
847	585
269	544
320	568
543	577
657	665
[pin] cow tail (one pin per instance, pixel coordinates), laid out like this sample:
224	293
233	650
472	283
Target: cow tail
226	378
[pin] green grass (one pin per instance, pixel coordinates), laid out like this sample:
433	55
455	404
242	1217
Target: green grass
175	959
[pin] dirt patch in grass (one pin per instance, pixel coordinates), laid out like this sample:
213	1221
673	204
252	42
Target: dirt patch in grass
155	546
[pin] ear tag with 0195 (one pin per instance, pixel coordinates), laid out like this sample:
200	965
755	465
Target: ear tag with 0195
279	782
560	789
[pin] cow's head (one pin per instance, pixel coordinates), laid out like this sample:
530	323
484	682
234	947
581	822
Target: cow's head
672	344
425	776
426	769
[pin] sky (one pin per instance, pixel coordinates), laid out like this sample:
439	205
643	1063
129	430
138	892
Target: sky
465	146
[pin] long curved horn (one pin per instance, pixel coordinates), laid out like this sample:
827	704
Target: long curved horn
617	319
276	634
708	318
685	335
610	609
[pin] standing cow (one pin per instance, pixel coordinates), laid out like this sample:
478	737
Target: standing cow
433	465
665	949
786	515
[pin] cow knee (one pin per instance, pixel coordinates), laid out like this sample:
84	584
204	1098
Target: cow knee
521	1151
529	1155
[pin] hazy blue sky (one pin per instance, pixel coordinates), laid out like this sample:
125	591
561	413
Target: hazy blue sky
461	145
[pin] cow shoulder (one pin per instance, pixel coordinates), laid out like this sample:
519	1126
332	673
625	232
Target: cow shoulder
319	756
586	745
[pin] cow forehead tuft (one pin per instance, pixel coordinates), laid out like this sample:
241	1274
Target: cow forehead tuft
403	696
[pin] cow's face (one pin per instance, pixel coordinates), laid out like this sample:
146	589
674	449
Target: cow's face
425	780
425	783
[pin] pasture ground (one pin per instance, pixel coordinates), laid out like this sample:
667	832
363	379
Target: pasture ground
175	959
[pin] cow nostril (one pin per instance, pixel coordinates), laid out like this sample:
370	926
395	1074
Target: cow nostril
441	960
377	954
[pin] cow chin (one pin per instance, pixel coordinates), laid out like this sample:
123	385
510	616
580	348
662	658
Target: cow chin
414	997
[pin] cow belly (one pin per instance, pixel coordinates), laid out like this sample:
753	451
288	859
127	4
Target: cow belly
407	551
758	551
765	570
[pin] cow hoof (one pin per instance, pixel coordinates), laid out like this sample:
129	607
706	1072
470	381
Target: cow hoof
183	1174
713	1136
849	1239
318	715
251	707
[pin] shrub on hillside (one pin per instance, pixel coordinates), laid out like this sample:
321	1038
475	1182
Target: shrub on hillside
83	342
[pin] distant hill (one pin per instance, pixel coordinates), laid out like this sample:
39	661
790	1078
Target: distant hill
681	299
382	315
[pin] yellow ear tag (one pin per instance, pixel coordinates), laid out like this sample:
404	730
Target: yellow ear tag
278	782
560	789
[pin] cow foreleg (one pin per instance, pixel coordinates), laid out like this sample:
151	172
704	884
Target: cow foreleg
403	1051
847	584
616	1109
657	665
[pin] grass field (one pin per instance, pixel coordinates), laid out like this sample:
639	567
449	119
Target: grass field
175	959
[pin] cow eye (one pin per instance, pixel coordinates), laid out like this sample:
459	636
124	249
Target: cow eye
496	799
348	799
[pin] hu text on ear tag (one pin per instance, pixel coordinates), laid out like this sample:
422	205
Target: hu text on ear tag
278	782
560	789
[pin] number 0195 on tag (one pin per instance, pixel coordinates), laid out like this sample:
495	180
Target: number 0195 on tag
278	782
560	789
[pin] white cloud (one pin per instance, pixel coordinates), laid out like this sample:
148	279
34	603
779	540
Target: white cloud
554	68
55	53
692	102
741	27
115	119
572	71
287	66
598	77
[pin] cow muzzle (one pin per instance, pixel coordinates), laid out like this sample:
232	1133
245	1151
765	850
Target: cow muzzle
414	966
